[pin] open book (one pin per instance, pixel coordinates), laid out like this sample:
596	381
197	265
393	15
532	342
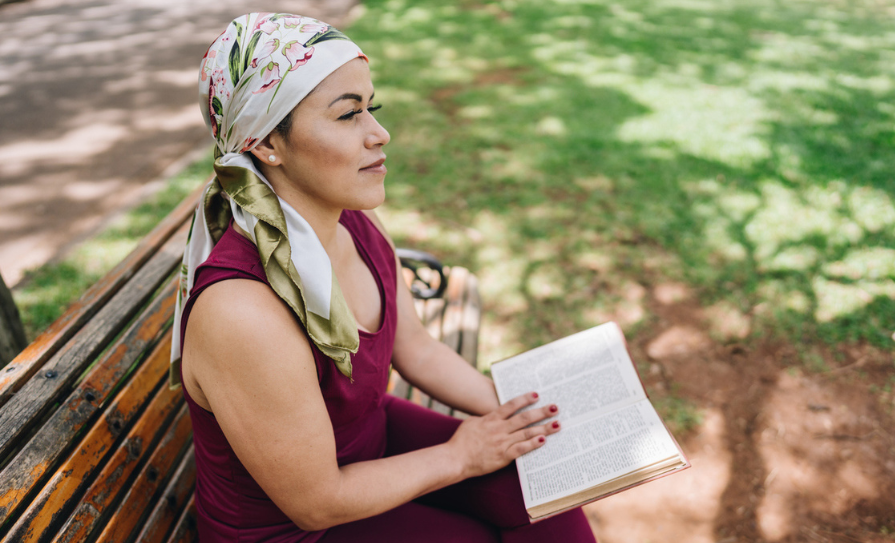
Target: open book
611	439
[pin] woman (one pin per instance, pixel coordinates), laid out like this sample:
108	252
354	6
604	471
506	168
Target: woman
292	310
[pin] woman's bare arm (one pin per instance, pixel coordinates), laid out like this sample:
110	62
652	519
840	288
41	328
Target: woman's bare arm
431	365
434	367
255	368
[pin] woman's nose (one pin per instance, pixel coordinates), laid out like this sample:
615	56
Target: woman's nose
377	135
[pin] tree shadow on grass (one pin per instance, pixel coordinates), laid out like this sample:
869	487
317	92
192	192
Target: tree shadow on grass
577	157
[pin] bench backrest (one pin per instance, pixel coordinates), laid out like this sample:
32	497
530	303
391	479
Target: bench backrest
93	444
88	426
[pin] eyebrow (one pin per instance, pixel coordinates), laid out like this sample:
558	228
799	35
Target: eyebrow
350	96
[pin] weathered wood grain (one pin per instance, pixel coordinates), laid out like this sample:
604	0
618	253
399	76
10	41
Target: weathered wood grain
82	464
35	355
38	457
185	529
471	322
173	501
451	326
114	479
55	379
131	476
139	498
63	493
433	310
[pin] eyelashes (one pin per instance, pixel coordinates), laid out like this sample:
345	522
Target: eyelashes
351	114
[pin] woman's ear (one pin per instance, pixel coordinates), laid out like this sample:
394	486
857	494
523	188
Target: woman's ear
265	152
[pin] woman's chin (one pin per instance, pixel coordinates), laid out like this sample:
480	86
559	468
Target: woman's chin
370	199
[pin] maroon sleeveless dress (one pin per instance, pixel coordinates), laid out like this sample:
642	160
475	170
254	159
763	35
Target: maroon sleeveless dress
231	506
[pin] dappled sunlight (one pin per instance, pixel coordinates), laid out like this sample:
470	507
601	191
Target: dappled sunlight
813	474
85	191
726	322
836	299
627	311
97	104
815	232
671	292
709	122
681	507
865	263
872	208
788	216
69	148
679	340
714	176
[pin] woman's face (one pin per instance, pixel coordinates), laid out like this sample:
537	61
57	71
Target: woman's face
333	156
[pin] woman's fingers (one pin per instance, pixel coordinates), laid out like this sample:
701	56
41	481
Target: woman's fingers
529	416
506	410
491	442
542	430
522	447
532	416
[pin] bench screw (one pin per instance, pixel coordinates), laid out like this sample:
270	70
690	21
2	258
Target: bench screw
89	396
11	368
152	474
50	374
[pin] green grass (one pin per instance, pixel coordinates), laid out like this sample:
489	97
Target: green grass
48	290
680	415
575	153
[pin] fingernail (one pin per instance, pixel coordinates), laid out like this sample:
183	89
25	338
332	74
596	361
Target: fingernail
555	424
553	409
534	395
541	439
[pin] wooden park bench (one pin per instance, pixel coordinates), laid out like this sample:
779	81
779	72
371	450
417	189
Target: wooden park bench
94	446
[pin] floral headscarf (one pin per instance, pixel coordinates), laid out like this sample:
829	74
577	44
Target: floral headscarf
253	76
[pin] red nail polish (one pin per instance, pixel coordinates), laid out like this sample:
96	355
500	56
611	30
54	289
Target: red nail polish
534	395
553	409
555	424
541	439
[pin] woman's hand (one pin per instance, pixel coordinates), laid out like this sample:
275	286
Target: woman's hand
488	443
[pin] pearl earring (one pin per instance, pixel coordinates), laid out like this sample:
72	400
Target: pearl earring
272	158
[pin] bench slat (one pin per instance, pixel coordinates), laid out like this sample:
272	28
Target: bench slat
64	492
114	478
185	530
432	313
80	465
44	449
60	491
449	320
44	388
451	326
471	321
168	509
35	355
139	498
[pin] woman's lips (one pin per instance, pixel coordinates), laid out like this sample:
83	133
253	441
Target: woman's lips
376	167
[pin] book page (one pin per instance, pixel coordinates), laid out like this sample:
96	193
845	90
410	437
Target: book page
609	427
595	450
584	374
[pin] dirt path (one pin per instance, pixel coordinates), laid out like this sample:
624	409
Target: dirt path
99	100
783	454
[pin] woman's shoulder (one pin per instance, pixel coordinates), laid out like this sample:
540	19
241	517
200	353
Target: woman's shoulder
236	323
233	256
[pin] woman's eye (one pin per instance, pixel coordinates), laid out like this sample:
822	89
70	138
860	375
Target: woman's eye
351	114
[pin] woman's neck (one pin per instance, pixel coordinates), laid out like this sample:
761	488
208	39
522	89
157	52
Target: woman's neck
324	220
